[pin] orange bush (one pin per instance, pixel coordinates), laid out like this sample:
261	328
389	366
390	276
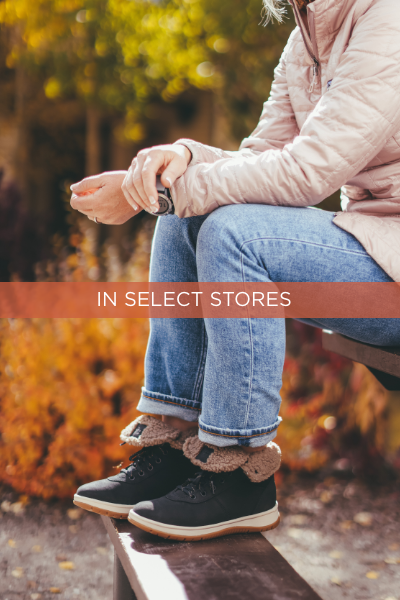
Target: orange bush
67	388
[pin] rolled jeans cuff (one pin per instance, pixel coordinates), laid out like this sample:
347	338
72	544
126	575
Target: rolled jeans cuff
252	438
162	404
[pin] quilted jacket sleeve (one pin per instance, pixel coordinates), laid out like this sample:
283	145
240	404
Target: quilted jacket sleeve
349	126
277	125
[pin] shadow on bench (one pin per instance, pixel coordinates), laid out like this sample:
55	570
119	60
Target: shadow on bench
382	361
236	567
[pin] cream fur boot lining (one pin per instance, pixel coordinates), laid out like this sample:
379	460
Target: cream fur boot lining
147	431
258	466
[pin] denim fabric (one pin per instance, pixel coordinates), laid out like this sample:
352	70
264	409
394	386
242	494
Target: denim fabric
227	373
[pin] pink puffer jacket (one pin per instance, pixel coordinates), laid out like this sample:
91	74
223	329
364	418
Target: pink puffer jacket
332	120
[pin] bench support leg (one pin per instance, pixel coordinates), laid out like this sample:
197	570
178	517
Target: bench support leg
121	588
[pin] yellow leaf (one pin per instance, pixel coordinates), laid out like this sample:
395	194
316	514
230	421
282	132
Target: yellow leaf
101	550
336	581
66	565
18	572
363	518
74	513
372	575
36	596
36	548
12	543
55	590
391	560
326	497
335	554
347	525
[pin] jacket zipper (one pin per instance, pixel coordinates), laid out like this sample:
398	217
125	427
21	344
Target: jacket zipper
315	50
313	57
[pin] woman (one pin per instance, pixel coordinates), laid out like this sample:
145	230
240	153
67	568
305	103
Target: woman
332	120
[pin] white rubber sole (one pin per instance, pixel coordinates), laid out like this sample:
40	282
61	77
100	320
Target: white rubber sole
259	522
117	511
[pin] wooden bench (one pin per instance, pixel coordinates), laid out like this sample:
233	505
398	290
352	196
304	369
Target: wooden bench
382	361
236	567
233	567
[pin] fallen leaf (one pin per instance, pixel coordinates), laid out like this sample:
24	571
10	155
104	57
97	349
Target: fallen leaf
24	499
394	546
74	513
101	550
335	554
18	572
347	525
55	590
391	598
73	528
295	533
32	585
17	508
297	519
36	596
5	506
336	581
36	548
391	560
61	557
363	518
326	497
12	543
66	565
372	575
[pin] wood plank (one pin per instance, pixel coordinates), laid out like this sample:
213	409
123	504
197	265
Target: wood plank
383	358
228	568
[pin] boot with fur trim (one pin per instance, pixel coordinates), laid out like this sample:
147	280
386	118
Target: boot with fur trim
155	470
146	431
258	466
233	492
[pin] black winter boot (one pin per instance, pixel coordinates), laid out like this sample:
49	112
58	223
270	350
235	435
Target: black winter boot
154	471
233	493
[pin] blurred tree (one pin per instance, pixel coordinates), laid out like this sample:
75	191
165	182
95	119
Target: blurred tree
125	55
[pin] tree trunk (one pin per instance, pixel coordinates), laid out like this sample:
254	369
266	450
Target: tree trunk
93	141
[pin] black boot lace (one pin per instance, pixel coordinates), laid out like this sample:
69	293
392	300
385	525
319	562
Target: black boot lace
202	482
142	460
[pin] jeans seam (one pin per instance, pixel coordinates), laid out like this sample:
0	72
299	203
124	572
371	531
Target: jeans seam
362	253
238	436
200	372
169	402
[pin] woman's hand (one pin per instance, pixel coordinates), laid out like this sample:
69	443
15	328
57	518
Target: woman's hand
100	197
139	186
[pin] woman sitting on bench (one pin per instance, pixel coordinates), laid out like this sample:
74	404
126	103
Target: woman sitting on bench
332	120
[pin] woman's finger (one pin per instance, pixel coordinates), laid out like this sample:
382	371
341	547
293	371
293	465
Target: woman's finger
137	180
130	193
153	163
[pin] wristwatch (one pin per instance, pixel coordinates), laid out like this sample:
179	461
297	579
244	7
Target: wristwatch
165	201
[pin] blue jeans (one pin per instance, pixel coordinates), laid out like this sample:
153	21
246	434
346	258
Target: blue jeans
227	373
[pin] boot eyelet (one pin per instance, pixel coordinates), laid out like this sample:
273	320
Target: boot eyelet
203	493
158	460
132	478
192	496
150	467
141	473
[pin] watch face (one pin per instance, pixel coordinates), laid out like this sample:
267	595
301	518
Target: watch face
165	205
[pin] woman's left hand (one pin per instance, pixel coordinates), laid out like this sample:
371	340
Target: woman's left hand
100	198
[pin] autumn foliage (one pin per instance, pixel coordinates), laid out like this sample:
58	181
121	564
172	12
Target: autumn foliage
67	388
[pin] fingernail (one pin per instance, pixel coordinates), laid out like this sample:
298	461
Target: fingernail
152	200
154	209
169	180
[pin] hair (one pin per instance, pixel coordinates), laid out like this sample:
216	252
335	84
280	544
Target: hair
273	9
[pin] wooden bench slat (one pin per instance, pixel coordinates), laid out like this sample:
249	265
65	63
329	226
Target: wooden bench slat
228	568
386	359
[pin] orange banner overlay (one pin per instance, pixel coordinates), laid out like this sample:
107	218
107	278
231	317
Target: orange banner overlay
200	300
